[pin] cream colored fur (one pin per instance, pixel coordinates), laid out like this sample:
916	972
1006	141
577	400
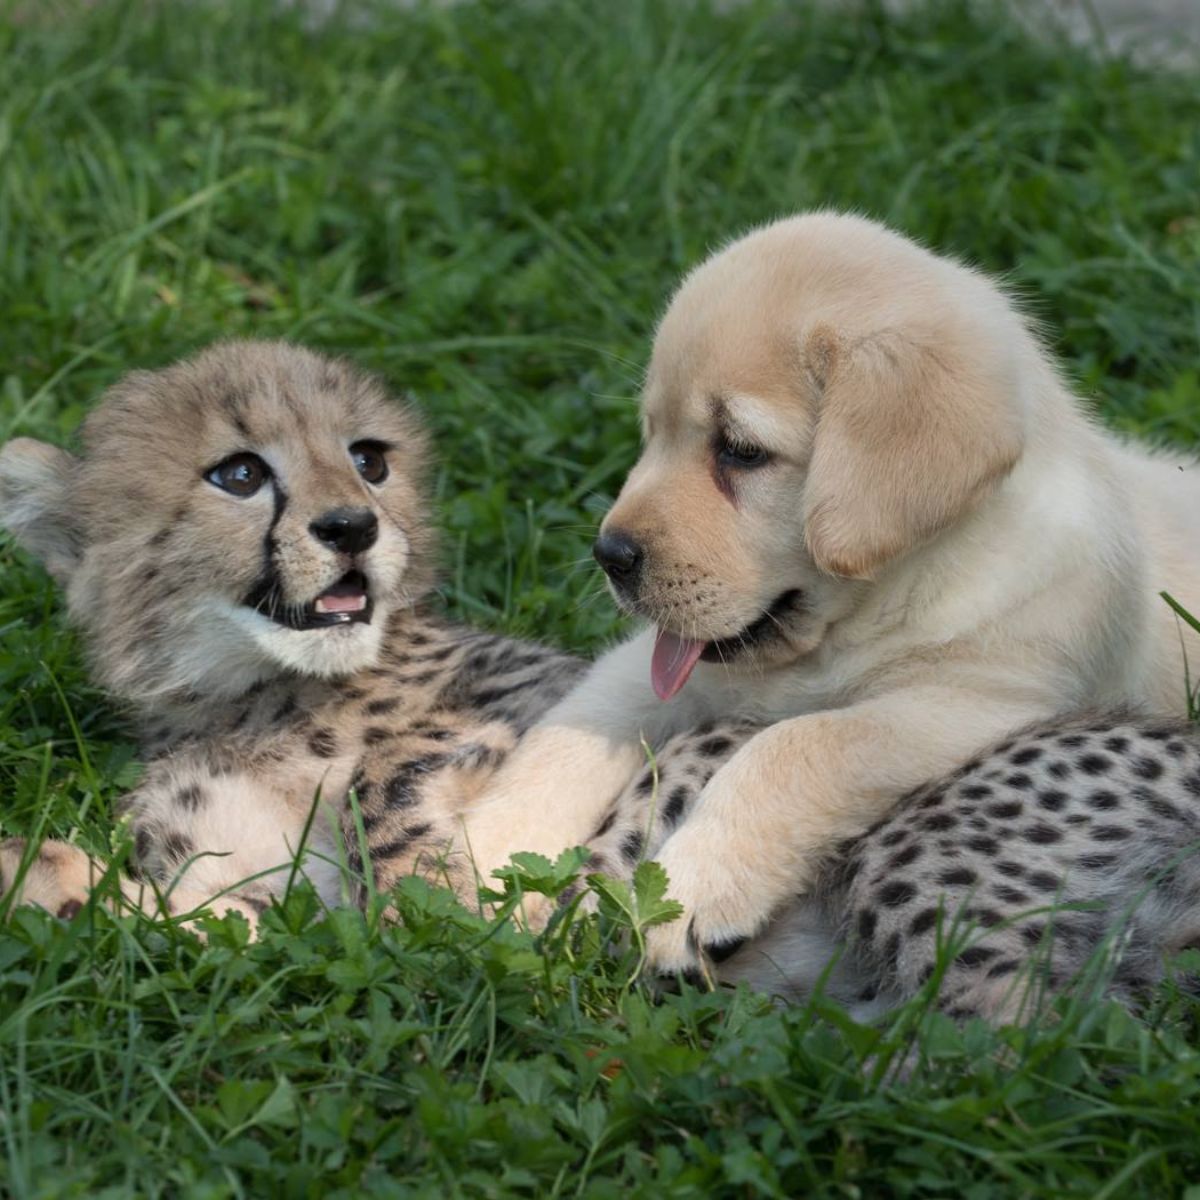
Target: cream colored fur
973	553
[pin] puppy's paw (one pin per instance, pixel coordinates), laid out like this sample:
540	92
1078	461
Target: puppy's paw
718	915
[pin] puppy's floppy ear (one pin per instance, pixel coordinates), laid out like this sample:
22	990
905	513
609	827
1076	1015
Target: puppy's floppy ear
35	503
908	437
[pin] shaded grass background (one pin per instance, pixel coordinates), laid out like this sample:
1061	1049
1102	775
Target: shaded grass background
489	204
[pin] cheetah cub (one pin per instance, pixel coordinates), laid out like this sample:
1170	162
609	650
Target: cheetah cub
246	545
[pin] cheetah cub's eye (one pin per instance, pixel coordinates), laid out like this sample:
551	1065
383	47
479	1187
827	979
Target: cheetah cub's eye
370	461
240	475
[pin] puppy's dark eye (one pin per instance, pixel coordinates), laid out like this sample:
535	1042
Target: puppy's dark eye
742	455
370	461
240	475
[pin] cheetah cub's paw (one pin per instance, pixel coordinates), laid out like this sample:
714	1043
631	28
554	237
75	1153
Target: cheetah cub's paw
59	877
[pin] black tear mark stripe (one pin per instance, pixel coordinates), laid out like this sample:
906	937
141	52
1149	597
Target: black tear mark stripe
268	578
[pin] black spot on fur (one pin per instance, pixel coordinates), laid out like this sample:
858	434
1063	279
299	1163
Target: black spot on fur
1026	755
1052	800
1005	810
1095	764
360	787
1020	781
1044	881
1010	869
178	847
905	857
676	802
1041	834
401	790
1146	768
714	747
257	904
189	797
322	743
867	921
975	791
375	734
631	846
606	824
893	837
424	677
1118	745
408	835
1071	740
1006	966
923	922
1109	833
1104	800
1010	895
377	708
1096	862
490	696
958	877
984	845
975	956
939	822
987	917
1162	808
897	893
645	783
1058	770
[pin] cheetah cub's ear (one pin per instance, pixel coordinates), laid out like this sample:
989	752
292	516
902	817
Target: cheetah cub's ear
35	503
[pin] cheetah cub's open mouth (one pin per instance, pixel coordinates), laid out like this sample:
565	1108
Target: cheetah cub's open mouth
347	602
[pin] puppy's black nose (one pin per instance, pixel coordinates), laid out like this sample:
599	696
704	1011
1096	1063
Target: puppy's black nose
350	530
619	555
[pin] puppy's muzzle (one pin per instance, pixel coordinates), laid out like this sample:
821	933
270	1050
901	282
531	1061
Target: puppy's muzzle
620	557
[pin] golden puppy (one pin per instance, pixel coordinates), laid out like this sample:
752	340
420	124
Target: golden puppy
869	512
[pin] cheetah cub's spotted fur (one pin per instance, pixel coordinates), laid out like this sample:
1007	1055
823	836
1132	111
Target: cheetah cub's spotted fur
245	543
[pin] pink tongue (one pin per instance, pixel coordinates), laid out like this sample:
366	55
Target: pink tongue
672	663
339	599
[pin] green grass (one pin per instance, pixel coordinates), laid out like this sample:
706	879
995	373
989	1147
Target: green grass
489	204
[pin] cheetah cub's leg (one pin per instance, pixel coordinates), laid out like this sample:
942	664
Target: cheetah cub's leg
56	876
59	877
411	790
227	842
235	839
658	800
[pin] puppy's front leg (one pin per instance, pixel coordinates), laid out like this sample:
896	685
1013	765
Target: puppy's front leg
799	788
559	783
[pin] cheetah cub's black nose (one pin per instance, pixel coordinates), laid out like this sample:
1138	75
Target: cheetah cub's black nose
350	530
619	555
